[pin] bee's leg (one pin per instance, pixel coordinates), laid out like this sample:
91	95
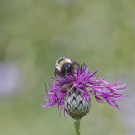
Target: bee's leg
55	72
75	63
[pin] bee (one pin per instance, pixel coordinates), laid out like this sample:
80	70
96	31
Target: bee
64	66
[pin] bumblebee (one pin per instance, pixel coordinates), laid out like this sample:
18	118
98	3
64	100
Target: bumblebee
64	66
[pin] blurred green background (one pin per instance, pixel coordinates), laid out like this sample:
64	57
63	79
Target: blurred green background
34	34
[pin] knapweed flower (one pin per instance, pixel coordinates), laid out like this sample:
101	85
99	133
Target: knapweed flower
73	91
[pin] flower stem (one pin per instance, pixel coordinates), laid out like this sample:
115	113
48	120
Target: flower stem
77	126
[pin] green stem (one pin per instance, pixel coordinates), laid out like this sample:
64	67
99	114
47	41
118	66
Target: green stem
77	126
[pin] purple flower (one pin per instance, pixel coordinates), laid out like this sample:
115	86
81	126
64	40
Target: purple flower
87	84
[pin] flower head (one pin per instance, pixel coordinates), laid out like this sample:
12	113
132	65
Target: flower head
84	81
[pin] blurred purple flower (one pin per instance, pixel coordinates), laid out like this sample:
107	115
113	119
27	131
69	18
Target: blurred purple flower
9	78
128	110
84	81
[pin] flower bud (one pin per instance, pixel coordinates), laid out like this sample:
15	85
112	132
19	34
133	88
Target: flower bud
75	105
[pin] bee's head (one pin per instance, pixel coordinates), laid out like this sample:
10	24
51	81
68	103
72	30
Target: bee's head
67	68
